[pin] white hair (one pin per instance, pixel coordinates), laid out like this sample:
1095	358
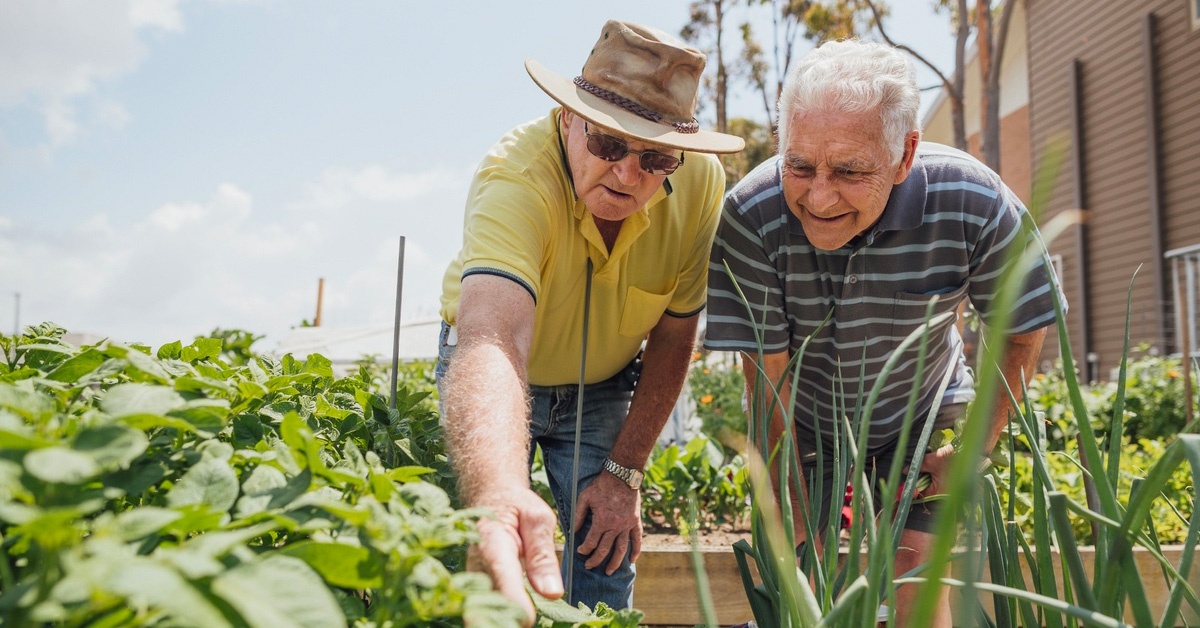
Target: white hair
855	77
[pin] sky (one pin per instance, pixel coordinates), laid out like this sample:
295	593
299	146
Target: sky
168	167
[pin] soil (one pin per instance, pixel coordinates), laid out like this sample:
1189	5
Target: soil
722	537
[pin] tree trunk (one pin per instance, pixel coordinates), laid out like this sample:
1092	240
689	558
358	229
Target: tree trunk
719	15
956	97
991	89
989	92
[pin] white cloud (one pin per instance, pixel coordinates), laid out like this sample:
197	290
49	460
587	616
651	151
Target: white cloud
54	54
185	267
162	14
338	186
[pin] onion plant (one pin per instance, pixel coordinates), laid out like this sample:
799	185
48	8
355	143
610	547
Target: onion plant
977	538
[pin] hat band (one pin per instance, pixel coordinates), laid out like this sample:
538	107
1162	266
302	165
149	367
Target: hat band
633	107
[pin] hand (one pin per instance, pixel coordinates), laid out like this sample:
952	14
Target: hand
936	463
616	512
520	539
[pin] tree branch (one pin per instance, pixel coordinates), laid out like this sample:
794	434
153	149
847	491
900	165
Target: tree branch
878	19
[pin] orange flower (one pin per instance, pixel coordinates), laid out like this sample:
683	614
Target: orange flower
1172	374
706	399
706	371
696	356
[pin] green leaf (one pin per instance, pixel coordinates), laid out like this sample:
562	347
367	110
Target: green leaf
131	399
78	366
206	415
16	434
409	474
145	582
211	482
202	349
251	390
202	385
268	488
146	422
341	565
247	430
112	446
279	592
26	403
144	521
140	362
59	465
170	351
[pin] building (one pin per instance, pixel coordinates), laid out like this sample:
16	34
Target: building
1113	90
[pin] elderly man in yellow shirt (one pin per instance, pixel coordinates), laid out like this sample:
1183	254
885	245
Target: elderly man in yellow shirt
597	217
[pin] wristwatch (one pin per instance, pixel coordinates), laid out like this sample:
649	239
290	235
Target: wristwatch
631	477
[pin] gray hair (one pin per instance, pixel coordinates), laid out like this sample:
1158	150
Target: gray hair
856	77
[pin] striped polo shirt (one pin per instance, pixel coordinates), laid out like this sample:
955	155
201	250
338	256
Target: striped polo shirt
945	231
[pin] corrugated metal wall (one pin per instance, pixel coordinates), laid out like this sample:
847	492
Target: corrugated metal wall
1107	38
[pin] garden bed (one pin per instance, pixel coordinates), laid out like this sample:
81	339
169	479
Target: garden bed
665	589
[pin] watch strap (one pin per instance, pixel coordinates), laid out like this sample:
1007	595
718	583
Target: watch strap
631	477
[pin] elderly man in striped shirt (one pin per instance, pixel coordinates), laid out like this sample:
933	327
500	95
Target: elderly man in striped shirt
858	216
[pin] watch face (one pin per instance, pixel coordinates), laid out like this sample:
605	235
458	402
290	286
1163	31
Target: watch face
635	479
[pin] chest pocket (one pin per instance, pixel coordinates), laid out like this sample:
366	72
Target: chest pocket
909	311
642	311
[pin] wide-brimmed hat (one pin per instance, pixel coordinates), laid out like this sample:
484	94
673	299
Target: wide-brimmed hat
641	82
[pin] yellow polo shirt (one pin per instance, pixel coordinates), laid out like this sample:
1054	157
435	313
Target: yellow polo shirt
523	222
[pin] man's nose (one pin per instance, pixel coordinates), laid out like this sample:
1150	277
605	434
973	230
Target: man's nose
628	169
822	193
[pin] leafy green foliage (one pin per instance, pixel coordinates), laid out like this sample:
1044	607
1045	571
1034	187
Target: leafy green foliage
678	475
717	386
180	488
1170	512
1153	397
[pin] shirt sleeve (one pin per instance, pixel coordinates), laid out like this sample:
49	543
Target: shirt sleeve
1001	241
505	229
746	305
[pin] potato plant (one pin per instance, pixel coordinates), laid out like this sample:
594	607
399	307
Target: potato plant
178	488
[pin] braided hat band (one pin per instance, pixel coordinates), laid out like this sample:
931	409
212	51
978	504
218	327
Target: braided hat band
634	107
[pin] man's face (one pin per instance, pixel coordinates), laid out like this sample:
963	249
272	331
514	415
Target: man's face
838	173
612	190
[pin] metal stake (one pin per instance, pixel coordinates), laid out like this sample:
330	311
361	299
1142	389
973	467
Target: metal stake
569	550
396	332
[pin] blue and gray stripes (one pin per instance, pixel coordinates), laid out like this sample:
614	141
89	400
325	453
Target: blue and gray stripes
944	235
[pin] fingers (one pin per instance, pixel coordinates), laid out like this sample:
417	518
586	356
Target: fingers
499	551
615	558
541	563
636	537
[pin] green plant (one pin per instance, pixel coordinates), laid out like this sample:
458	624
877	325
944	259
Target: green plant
1153	401
695	473
176	488
717	386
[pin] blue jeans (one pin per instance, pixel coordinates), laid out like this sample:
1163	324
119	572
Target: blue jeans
552	427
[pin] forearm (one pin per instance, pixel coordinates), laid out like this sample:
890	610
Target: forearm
664	369
487	420
1020	359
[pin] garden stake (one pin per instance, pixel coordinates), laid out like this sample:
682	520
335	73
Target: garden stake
569	549
396	332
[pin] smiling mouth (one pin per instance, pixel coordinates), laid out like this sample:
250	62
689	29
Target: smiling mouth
827	220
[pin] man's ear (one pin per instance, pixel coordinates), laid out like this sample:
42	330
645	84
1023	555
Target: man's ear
910	153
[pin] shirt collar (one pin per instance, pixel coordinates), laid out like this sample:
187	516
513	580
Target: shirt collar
905	208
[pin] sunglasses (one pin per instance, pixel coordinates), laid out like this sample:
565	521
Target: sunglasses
611	148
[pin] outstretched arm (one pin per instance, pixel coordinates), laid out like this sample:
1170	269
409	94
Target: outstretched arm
487	434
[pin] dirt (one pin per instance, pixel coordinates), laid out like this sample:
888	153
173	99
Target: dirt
721	537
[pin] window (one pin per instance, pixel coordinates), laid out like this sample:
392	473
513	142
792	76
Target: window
1195	5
